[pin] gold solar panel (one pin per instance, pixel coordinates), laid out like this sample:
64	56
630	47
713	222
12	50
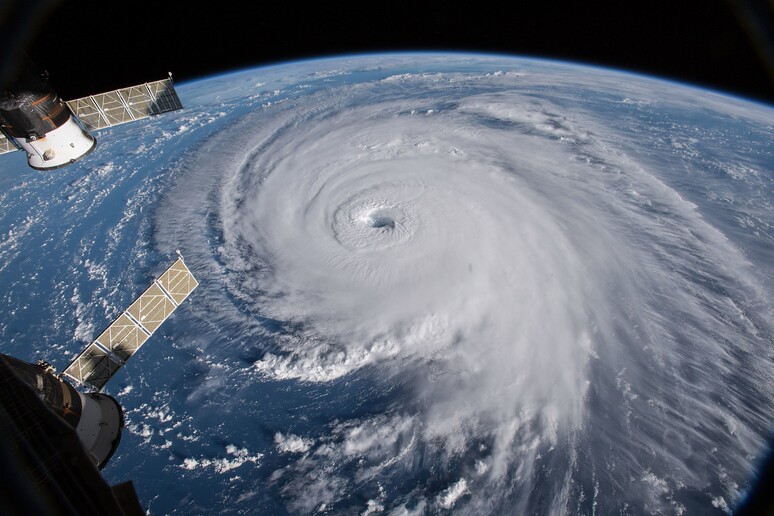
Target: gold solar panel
109	352
152	308
178	281
126	104
93	366
123	337
5	145
87	112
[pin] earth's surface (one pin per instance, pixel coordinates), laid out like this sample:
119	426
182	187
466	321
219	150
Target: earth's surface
429	283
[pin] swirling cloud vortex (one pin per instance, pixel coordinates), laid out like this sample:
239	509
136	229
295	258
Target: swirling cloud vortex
500	253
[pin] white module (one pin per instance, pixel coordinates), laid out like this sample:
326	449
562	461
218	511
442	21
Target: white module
61	146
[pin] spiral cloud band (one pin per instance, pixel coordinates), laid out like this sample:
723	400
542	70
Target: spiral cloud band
544	313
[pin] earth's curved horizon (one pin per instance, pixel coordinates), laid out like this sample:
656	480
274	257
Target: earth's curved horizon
192	81
430	283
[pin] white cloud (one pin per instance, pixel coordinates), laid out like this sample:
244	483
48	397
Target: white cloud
448	498
290	443
239	456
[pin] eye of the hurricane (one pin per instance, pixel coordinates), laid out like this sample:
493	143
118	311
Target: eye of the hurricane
381	218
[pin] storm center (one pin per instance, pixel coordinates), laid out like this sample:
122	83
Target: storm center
381	218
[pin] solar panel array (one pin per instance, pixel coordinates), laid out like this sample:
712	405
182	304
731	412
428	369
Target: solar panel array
109	352
5	145
126	104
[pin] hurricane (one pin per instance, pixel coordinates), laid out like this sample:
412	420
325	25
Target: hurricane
482	289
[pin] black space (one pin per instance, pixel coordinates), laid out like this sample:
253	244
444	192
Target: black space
90	46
